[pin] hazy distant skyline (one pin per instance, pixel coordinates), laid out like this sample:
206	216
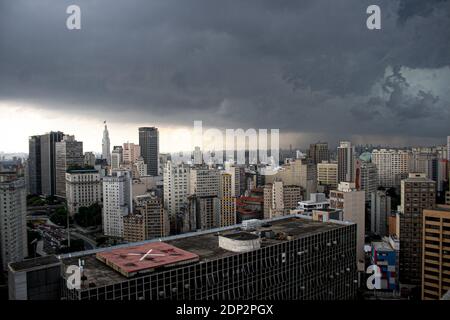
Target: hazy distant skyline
310	68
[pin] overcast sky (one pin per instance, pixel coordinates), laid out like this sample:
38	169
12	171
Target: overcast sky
310	68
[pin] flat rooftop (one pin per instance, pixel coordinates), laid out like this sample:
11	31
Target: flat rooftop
193	247
34	263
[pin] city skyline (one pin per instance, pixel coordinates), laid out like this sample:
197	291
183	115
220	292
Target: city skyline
253	70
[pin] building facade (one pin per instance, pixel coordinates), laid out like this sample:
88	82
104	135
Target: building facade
13	223
83	189
149	143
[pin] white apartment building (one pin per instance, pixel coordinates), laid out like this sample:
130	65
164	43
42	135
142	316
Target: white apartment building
392	165
83	188
141	167
13	224
176	179
117	201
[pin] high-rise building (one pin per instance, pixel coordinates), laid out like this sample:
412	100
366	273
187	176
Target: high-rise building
327	174
116	157
131	152
204	182
48	162
83	189
237	174
68	155
149	143
346	162
352	202
106	147
13	219
448	148
385	255
299	172
392	166
273	200
417	193
117	201
366	177
425	161
436	252
227	201
34	165
198	156
318	152
176	187
148	221
380	211
141	167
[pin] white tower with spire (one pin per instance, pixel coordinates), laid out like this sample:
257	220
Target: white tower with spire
106	150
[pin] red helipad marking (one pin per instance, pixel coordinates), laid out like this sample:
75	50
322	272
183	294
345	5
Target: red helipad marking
132	260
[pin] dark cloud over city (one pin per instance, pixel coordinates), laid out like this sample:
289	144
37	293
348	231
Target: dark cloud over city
307	66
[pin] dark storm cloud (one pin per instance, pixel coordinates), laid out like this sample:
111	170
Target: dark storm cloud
301	66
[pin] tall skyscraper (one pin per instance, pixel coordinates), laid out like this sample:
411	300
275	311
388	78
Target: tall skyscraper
89	159
48	162
106	148
117	202
204	182
34	165
13	223
417	193
68	154
346	162
436	257
318	152
149	143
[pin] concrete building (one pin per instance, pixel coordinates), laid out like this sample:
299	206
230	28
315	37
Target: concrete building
83	189
417	193
131	152
116	158
346	162
448	148
366	178
299	172
176	187
148	221
284	268
392	166
227	201
436	252
327	174
352	202
13	223
273	200
149	143
117	202
68	154
318	152
140	167
106	147
198	156
380	210
204	182
318	201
